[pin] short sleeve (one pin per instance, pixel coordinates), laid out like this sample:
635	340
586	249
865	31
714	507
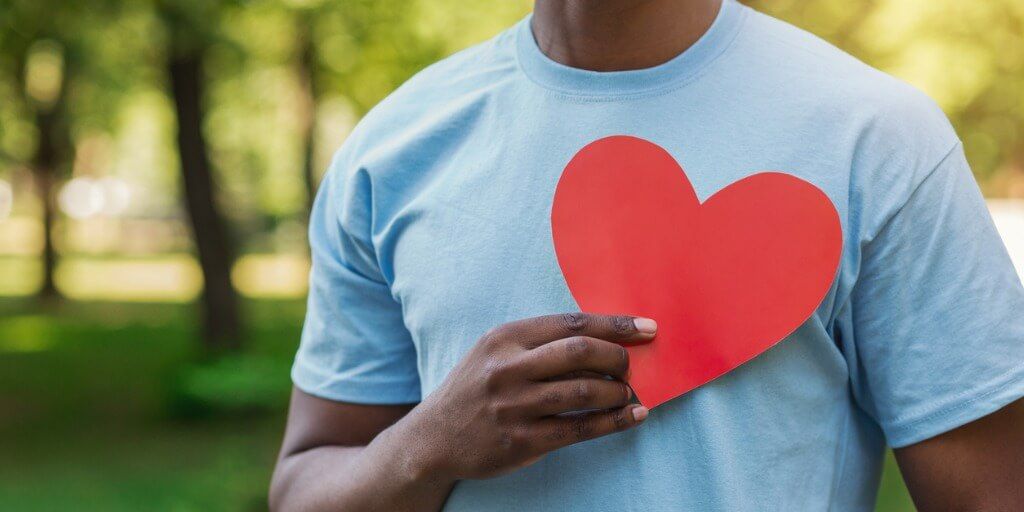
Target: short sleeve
355	346
937	312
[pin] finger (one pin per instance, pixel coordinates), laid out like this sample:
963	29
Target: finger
578	353
539	330
558	431
550	398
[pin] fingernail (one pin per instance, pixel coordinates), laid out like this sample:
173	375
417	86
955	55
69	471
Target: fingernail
645	325
640	413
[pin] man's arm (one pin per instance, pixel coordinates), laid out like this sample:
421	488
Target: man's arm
326	452
501	408
977	467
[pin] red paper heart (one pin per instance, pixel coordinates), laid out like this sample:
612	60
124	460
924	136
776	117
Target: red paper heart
725	280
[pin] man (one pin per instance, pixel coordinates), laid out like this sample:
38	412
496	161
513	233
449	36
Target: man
441	350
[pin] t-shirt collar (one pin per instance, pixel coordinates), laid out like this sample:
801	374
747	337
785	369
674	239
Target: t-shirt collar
559	77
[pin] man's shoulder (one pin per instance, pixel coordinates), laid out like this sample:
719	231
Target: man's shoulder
803	73
889	133
813	69
477	67
452	87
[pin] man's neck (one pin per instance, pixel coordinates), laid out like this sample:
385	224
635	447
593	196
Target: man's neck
617	35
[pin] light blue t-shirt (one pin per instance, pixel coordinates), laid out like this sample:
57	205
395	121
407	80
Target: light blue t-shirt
433	225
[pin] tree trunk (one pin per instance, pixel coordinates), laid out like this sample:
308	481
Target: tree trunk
53	156
306	67
219	301
48	157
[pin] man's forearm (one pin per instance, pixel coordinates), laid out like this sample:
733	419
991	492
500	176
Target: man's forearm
502	408
387	474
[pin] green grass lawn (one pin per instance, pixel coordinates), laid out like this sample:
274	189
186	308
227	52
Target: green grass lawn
103	407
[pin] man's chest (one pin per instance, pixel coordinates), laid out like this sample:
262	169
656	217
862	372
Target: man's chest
474	248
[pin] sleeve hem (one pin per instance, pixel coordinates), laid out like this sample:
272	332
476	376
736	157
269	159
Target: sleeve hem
988	401
357	391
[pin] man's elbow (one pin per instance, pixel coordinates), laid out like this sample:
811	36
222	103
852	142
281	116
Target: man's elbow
278	488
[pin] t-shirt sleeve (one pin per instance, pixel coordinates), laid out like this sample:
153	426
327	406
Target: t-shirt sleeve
355	346
937	312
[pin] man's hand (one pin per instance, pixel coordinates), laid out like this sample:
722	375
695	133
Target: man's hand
524	389
517	394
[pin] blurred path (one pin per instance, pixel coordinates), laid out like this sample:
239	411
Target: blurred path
1009	217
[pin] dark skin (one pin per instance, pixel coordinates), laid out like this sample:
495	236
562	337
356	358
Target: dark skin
496	412
342	456
978	466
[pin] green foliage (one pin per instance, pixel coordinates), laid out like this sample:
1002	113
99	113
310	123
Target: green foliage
230	385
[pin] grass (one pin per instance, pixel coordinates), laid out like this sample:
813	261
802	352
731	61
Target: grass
93	416
85	390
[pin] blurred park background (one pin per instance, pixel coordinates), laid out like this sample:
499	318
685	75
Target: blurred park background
157	159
